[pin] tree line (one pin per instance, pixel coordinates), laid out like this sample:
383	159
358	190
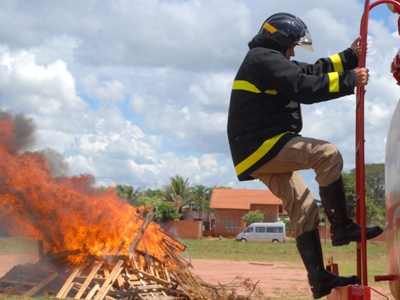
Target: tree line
199	196
177	189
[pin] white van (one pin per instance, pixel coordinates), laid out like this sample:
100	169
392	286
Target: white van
263	232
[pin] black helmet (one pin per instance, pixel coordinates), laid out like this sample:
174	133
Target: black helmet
287	29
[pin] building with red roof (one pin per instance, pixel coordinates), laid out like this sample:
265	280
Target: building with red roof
231	205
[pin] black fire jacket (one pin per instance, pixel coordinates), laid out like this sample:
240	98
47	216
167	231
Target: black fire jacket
264	111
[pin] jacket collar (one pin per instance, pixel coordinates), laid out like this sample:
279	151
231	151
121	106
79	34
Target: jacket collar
265	42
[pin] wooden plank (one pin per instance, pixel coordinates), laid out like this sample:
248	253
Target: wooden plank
166	273
151	277
93	291
142	229
67	285
105	288
40	285
83	278
62	254
140	214
76	286
150	287
106	273
156	273
134	283
151	269
88	280
111	278
123	293
120	281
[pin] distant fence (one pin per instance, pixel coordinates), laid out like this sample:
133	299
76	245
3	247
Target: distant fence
182	229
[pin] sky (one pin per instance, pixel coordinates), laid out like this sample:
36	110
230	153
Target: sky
135	92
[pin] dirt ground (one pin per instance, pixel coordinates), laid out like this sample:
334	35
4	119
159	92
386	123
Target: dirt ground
275	280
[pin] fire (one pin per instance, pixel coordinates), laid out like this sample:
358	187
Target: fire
67	213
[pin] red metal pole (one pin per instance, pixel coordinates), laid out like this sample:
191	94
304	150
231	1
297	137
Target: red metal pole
360	168
360	158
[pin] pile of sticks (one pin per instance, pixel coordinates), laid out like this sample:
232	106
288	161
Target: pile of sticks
131	275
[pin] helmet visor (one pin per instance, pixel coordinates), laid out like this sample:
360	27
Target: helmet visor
306	41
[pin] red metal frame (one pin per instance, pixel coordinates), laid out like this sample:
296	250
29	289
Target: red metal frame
360	158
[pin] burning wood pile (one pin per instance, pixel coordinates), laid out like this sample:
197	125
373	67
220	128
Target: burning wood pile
96	245
133	274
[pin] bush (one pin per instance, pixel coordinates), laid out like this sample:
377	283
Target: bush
166	212
288	226
253	217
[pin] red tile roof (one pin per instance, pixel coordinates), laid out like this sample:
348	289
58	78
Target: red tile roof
241	199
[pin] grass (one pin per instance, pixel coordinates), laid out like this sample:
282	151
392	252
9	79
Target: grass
18	246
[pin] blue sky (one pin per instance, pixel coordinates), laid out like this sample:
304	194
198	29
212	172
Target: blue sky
134	92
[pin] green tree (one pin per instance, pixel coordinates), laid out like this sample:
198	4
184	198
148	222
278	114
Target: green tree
288	226
102	188
374	194
375	181
374	213
163	211
178	188
158	193
129	193
200	195
166	212
152	201
350	190
253	217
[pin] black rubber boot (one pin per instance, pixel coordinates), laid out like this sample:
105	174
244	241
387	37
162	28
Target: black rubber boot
321	280
343	229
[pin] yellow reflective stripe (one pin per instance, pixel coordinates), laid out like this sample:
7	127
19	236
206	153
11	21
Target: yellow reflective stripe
245	85
249	87
258	154
271	92
269	28
337	63
333	82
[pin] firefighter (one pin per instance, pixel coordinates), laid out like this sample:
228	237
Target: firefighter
264	125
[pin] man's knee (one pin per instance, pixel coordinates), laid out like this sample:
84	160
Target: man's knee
306	218
330	166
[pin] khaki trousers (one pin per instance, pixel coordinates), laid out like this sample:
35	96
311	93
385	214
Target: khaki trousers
281	177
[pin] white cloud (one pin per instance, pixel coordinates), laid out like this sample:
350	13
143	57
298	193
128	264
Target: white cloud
109	93
137	91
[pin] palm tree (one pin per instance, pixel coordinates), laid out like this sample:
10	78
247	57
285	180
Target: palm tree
129	193
177	189
202	196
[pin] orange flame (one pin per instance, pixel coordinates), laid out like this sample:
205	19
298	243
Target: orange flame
67	213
